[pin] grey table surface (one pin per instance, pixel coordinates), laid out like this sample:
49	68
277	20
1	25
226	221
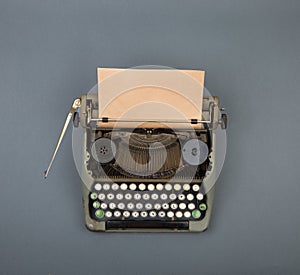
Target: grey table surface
49	52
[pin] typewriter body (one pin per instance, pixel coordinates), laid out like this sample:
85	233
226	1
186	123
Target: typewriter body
146	176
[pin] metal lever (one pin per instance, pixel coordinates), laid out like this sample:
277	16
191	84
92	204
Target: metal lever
76	104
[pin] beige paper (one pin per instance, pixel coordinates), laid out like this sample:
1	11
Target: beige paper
150	95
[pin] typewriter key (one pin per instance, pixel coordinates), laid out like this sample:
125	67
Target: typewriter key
101	196
202	206
121	205
148	206
187	214
152	214
172	197
182	206
174	206
132	186
157	206
126	214
196	187
108	214
199	196
151	187
146	197
103	205
196	214
137	196
191	206
93	196
170	214
123	186
186	187
117	214
98	186
130	205
106	186
165	206
96	204
154	196
135	214
181	197
112	205
128	196
139	206
144	214
163	196
159	187
115	187
99	214
168	187
179	214
110	196
142	186
177	187
161	214
190	197
119	196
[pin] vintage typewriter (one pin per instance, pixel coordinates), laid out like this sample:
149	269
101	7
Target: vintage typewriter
150	169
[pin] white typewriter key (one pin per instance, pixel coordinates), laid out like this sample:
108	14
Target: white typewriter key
157	206
151	187
139	206
128	196
159	187
117	214
121	205
106	186
119	196
186	187
144	214
163	196
135	214
168	187
200	196
126	214
177	187
115	187
137	196
161	214
154	196
146	196
112	205
142	186
170	214
172	197
152	214
132	186
178	214
148	206
98	186
130	205
190	197
101	196
174	206
182	206
103	206
123	186
191	206
110	196
196	187
181	197
165	206
108	214
187	214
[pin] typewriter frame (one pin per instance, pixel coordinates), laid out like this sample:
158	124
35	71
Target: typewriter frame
88	118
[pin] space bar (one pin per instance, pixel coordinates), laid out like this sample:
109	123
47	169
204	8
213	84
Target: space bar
147	224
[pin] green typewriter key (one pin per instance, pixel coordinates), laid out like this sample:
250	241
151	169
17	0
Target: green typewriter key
94	196
96	204
99	214
196	214
202	206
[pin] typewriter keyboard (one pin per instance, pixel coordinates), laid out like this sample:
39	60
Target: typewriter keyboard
147	201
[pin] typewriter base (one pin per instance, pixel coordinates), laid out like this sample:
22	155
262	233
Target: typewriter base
147	226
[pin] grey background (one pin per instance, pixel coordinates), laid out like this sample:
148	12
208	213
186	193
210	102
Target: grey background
49	51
